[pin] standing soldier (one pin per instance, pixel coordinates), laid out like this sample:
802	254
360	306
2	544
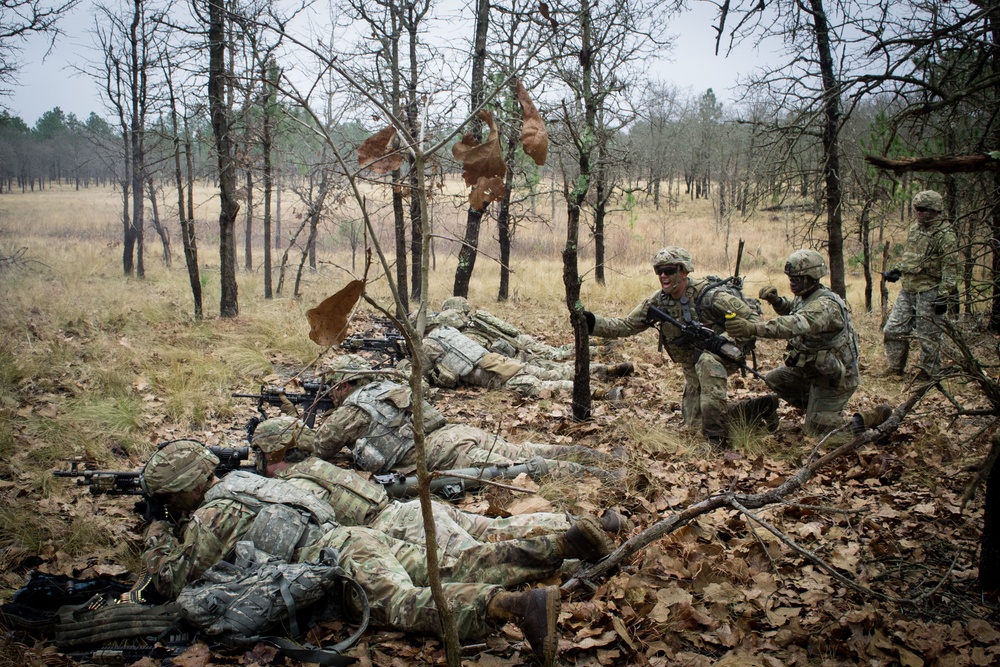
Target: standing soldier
821	366
929	269
705	374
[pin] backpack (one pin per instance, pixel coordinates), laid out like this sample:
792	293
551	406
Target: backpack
263	598
731	285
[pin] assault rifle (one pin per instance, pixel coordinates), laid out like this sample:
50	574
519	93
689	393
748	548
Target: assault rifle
392	346
129	483
700	337
451	484
315	398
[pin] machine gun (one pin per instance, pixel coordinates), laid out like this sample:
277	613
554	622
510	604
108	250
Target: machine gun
700	337
315	398
454	483
129	483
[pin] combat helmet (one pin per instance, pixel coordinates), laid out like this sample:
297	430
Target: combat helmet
928	199
674	254
459	303
339	369
806	262
278	433
178	466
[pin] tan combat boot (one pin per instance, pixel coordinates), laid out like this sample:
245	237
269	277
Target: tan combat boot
536	612
585	540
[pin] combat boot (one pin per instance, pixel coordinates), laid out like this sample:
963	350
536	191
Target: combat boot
585	540
615	523
612	394
870	418
620	370
536	612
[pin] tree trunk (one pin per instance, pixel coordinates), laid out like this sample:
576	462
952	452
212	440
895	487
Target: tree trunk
831	149
229	207
248	235
161	231
575	199
137	87
399	226
470	248
265	147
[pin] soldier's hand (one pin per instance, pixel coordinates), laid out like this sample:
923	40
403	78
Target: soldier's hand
740	328
892	276
768	293
591	320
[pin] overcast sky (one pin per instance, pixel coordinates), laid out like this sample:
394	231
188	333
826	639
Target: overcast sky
45	85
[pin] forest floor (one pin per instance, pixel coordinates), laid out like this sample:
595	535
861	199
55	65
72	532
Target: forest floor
887	518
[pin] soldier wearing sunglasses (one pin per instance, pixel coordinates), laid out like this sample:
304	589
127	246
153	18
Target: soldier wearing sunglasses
688	299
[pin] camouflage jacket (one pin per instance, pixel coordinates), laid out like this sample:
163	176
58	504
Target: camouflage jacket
711	313
376	424
930	258
815	326
176	557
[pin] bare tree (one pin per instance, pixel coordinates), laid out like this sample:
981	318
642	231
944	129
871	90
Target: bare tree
19	19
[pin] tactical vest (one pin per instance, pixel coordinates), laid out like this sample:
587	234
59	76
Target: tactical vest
461	353
390	428
810	348
354	499
288	517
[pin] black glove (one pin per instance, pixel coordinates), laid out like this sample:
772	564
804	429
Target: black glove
591	321
892	276
941	304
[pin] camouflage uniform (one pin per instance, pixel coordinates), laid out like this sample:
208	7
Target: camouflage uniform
705	374
821	365
376	424
929	268
495	334
459	359
392	572
394	576
357	501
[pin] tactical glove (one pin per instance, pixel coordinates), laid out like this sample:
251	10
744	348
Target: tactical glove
740	328
892	276
769	293
591	321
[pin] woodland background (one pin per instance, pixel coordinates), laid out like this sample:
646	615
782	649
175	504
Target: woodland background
231	130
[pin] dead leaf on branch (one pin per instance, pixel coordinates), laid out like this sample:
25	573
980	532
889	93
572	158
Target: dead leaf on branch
487	191
534	138
377	153
328	320
483	160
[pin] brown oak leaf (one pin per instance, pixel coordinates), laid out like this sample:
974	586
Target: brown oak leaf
534	138
480	160
487	190
328	320
377	153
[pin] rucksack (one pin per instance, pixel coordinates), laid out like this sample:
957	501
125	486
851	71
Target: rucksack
731	285
264	598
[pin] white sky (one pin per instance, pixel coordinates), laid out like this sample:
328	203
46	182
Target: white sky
44	85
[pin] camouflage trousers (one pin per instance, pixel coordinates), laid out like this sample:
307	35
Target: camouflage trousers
458	530
823	404
393	573
462	446
705	393
540	377
913	316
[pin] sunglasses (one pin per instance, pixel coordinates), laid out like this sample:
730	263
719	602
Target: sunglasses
666	270
921	209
